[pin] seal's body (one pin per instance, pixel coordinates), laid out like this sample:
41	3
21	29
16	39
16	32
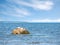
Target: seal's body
20	31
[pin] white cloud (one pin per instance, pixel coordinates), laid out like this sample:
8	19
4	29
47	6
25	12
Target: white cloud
36	4
13	10
44	20
43	5
21	11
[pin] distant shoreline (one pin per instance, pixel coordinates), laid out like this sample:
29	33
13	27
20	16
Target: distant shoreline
24	22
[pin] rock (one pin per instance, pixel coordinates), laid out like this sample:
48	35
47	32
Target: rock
19	30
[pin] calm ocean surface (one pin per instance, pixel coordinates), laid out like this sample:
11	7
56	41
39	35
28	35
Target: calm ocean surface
40	34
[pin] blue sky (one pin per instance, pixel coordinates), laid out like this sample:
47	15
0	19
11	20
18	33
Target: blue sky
30	10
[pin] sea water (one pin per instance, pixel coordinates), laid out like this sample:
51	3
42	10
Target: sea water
40	34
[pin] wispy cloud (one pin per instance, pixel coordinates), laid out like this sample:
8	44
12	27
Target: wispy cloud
43	5
36	4
44	20
13	10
